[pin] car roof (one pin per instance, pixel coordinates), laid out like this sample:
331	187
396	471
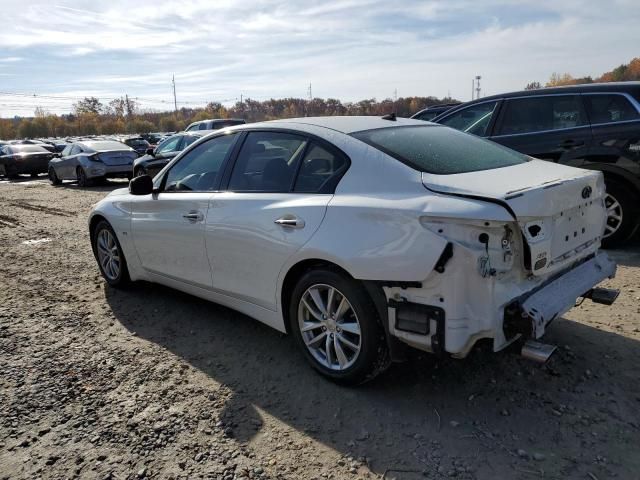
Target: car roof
582	88
345	124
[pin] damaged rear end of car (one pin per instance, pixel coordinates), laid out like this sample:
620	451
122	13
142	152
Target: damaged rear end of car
526	250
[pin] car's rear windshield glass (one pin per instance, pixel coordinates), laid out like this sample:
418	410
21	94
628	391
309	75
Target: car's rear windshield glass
440	150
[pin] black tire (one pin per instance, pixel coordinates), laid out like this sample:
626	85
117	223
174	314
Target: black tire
53	178
81	175
121	280
629	203
373	357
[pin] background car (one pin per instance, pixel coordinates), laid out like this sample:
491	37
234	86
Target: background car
214	124
156	158
594	126
429	113
92	160
16	159
361	236
139	144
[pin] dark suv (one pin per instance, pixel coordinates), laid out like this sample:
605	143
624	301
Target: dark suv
594	126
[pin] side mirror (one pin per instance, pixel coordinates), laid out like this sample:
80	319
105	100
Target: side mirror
150	151
142	185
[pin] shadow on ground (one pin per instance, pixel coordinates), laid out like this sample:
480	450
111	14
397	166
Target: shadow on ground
478	411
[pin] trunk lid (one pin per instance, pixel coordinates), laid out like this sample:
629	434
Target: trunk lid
118	157
560	209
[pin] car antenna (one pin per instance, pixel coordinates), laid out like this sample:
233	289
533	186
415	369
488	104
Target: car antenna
390	116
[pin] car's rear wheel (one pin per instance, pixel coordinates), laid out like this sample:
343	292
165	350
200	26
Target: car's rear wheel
81	176
110	256
622	214
53	178
336	324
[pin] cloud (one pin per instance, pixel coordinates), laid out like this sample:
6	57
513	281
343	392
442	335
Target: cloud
349	49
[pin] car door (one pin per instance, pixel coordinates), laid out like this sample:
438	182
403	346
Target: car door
548	127
68	163
268	211
168	226
615	125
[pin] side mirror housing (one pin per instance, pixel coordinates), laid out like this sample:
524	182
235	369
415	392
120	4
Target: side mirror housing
150	151
142	185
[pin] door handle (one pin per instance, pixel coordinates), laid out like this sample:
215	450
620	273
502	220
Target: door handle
194	216
290	222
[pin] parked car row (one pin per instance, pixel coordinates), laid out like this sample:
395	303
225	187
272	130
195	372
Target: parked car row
91	158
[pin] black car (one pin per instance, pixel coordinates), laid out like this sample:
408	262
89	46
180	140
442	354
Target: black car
594	126
139	144
16	159
429	113
156	159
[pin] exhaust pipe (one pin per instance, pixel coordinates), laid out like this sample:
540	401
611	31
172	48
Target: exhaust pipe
536	351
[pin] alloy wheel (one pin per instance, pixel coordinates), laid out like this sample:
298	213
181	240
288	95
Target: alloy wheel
329	326
108	254
614	215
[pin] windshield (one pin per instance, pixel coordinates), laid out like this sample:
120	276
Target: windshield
440	150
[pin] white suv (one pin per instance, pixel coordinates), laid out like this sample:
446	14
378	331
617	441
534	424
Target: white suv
361	235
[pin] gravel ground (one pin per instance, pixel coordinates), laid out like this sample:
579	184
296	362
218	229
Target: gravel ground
152	383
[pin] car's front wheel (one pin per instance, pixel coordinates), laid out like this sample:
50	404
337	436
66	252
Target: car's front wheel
110	256
622	214
81	176
53	178
336	324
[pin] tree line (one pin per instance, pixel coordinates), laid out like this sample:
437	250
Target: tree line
627	72
123	115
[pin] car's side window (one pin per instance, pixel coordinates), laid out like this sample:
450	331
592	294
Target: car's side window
66	151
317	170
267	162
203	126
189	139
474	119
537	114
609	108
200	168
427	116
75	149
170	145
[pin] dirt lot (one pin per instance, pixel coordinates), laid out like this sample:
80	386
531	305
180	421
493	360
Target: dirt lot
152	383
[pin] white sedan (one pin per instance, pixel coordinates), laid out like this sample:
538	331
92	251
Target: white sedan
362	235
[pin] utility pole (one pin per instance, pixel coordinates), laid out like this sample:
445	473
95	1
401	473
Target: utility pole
395	100
175	101
310	94
478	77
240	99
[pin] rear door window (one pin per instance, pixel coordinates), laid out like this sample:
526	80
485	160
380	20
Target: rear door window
438	150
609	108
474	119
267	162
538	114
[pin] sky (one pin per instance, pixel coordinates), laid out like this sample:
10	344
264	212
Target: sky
218	50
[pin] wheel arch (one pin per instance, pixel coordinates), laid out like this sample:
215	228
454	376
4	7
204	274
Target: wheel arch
294	273
616	173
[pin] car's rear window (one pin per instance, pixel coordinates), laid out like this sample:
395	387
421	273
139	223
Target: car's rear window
440	150
29	149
